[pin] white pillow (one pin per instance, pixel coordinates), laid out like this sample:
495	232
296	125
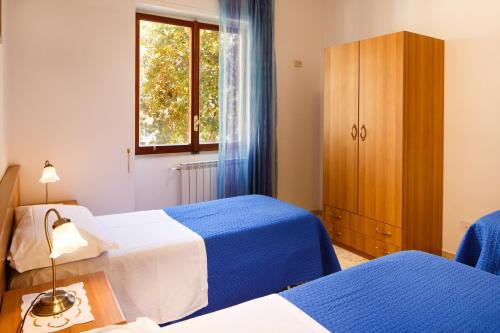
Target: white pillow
29	248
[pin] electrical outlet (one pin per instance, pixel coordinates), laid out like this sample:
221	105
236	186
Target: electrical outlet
464	225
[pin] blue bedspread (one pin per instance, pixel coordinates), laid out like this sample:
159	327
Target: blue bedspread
404	292
256	246
480	247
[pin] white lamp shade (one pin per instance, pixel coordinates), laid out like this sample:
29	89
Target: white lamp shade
66	239
49	175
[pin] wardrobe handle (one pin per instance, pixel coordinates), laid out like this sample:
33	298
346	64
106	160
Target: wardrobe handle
337	217
354	132
362	133
382	251
383	233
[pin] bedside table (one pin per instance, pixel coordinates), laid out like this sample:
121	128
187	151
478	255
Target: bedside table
102	302
68	202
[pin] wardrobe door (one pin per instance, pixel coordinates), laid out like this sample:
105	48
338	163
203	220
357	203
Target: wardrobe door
381	128
340	145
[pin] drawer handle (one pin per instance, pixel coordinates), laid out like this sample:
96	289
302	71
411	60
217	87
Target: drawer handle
383	233
382	251
337	233
337	217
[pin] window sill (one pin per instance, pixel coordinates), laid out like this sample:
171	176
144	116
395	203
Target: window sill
162	150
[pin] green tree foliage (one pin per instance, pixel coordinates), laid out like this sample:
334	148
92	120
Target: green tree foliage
209	77
165	84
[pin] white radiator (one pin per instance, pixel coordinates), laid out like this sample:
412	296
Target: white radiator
198	181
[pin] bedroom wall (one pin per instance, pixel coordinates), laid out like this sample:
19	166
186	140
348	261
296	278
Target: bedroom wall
298	37
3	113
70	75
70	97
472	100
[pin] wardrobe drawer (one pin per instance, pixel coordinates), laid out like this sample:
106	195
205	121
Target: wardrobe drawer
363	234
344	236
354	240
327	222
338	217
383	248
387	233
378	230
376	248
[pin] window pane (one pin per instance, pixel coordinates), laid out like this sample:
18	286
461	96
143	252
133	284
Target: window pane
209	85
164	102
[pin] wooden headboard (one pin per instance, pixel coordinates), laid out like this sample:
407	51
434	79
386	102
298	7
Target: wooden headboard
9	199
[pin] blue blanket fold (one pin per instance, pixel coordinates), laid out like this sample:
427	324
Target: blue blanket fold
403	292
256	245
480	247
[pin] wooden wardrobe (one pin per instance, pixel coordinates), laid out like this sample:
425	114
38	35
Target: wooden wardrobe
383	144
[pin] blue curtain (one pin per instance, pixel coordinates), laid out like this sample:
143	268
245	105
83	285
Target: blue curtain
247	99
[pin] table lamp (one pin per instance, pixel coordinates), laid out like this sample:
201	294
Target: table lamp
49	175
65	239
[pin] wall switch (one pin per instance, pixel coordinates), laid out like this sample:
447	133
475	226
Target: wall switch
464	225
298	64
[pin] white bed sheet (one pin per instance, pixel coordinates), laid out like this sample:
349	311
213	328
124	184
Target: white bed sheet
270	314
158	271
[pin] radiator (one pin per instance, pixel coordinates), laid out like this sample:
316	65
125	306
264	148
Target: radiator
198	181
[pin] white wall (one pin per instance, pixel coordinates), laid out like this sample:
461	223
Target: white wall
156	184
201	10
298	37
472	80
3	113
70	98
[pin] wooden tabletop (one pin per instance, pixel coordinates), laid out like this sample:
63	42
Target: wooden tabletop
102	302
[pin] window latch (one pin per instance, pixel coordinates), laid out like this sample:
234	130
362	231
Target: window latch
196	121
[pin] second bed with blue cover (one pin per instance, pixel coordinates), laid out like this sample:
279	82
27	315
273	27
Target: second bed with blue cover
480	247
404	292
256	245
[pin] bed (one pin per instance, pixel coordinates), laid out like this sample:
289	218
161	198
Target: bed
480	247
257	241
255	246
403	292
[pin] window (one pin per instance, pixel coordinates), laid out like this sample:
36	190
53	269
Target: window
177	67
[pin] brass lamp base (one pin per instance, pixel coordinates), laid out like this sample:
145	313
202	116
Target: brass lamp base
49	306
